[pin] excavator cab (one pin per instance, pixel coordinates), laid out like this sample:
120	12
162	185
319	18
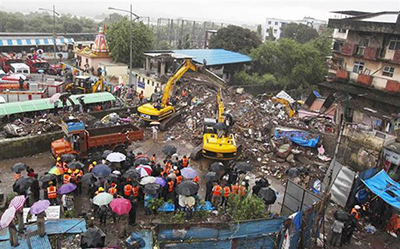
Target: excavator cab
80	85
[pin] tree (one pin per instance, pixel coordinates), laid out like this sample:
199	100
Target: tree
298	32
237	39
247	208
119	42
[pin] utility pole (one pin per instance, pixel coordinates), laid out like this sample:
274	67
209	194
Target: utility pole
54	28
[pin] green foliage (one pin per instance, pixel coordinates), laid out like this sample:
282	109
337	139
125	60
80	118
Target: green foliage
234	38
243	78
179	217
155	204
247	208
119	42
69	213
43	22
298	32
271	36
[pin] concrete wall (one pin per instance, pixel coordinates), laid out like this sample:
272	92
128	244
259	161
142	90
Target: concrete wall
27	146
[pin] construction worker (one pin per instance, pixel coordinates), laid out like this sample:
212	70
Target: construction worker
216	195
59	163
99	190
135	191
76	176
178	179
127	190
113	189
65	167
67	177
52	193
170	190
185	162
196	179
227	192
235	188
91	166
242	189
355	212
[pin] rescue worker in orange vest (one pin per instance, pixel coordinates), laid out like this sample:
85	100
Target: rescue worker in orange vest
76	178
135	191
235	188
355	212
242	189
52	193
65	167
178	179
185	162
127	190
91	166
216	195
113	189
67	177
153	158
170	189
99	190
227	192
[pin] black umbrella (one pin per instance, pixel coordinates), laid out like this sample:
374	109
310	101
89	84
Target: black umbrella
22	184
68	157
88	178
75	165
211	177
243	166
268	195
187	188
106	153
169	150
18	167
152	188
47	178
341	215
93	238
216	166
142	160
113	178
131	174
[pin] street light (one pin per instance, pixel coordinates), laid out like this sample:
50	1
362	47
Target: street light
130	38
54	27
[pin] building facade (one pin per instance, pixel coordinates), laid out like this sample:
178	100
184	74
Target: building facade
272	26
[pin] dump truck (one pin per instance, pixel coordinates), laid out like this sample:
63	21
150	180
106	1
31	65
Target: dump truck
81	141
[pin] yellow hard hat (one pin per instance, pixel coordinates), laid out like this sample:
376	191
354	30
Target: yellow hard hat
58	158
69	171
50	182
100	189
94	162
77	171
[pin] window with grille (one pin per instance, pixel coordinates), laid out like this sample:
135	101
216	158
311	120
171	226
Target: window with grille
394	44
358	67
388	71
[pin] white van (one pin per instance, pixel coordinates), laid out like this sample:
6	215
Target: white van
20	68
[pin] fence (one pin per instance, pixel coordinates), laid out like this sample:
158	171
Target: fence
297	199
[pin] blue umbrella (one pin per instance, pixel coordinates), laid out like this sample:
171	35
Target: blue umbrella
101	170
66	188
189	173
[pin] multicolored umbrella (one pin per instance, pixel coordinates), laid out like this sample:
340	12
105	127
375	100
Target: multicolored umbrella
47	178
147	179
17	202
66	188
18	167
7	217
116	157
56	171
101	170
102	199
39	206
189	173
160	181
120	206
144	170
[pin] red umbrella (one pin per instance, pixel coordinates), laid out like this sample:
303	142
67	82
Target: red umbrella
18	202
7	217
144	170
121	206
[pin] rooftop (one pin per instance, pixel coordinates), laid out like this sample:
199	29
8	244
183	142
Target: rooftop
214	57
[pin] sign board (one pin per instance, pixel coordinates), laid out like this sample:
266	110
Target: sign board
52	213
391	156
141	84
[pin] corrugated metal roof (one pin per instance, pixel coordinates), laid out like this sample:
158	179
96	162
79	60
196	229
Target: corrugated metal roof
214	56
44	104
31	41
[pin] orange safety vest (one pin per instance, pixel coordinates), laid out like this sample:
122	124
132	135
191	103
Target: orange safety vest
356	213
135	191
90	168
170	186
227	191
242	190
178	180
217	190
112	190
185	162
51	192
235	189
127	190
66	178
196	179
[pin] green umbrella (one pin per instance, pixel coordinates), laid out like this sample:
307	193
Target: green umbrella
102	199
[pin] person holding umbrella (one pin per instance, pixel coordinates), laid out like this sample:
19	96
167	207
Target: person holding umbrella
52	193
40	223
12	229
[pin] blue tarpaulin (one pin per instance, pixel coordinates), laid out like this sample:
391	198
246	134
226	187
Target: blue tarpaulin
299	137
384	187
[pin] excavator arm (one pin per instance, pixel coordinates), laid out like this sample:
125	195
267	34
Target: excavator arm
188	64
95	87
221	108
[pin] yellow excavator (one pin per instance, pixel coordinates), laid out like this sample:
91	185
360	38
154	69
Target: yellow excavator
290	108
83	84
162	111
218	142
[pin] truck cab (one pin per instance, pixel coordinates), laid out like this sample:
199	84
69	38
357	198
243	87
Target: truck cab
73	140
6	61
38	65
20	68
